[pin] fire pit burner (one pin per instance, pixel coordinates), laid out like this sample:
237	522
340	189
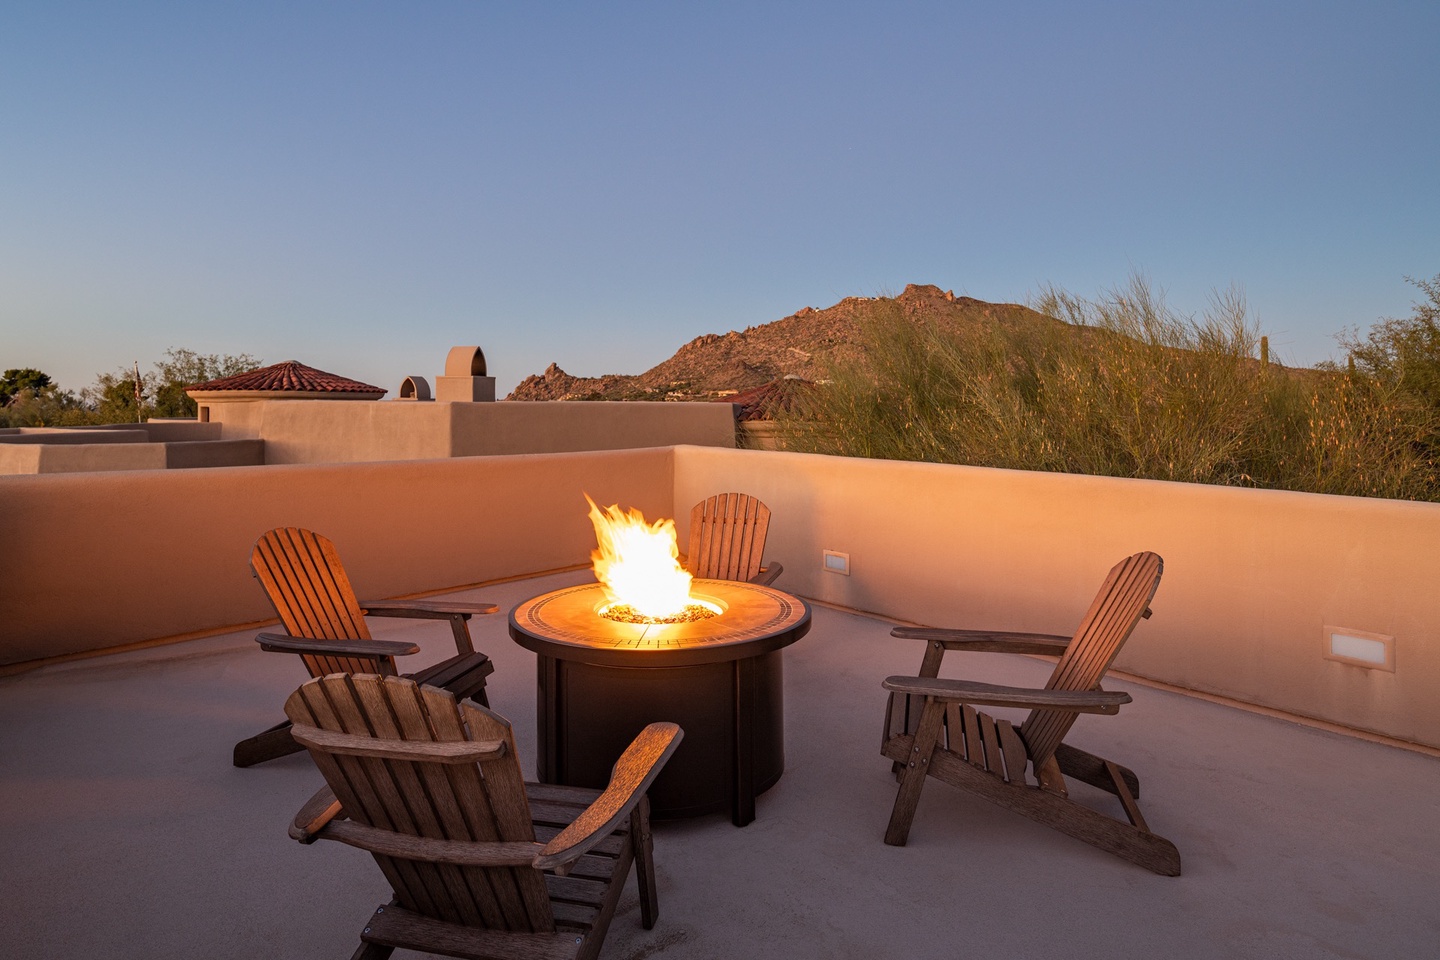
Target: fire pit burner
722	679
624	613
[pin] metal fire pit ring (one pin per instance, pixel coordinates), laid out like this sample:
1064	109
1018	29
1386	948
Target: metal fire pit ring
722	679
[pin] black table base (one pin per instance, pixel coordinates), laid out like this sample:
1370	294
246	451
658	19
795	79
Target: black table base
732	712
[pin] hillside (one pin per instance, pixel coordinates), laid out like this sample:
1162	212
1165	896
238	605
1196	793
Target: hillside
802	344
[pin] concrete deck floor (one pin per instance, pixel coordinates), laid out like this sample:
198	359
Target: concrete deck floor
127	833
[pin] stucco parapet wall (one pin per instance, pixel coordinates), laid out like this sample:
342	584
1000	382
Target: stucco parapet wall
95	543
480	429
1252	577
136	434
317	431
151	430
130	455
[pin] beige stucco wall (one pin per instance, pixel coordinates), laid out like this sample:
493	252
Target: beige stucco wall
70	457
338	431
179	430
187	454
135	433
19	458
500	428
1251	577
115	558
80	457
332	431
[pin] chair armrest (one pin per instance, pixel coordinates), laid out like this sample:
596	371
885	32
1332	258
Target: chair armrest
425	609
329	824
279	643
987	641
457	613
318	811
636	769
767	575
989	694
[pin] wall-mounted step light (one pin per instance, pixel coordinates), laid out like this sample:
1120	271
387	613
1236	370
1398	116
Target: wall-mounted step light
1360	648
836	562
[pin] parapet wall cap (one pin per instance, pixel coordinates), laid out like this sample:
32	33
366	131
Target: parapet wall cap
465	362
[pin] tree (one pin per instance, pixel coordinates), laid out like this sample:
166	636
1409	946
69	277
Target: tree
162	389
29	398
24	378
113	398
182	368
1404	353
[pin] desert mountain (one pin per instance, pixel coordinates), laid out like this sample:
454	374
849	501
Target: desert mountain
803	344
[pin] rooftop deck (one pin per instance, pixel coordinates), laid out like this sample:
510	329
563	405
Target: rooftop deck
129	834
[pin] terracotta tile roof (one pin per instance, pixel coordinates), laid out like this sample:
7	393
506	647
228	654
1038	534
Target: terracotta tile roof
777	396
292	375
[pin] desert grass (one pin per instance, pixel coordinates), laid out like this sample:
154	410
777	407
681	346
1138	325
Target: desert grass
1119	385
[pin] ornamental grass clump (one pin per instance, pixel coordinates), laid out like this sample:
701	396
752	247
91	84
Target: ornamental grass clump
1120	386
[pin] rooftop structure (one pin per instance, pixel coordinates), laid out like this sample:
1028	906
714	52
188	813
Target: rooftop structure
1271	758
292	380
764	402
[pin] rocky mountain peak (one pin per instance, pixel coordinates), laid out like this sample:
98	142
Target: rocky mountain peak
716	366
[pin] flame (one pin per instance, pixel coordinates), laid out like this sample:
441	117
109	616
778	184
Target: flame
638	563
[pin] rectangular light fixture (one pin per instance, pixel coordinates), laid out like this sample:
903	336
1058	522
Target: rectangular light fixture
1360	648
835	562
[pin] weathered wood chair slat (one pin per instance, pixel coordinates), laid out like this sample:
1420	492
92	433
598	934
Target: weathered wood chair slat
727	539
477	870
926	735
325	625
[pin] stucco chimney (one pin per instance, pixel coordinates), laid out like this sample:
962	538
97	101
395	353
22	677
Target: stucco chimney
465	380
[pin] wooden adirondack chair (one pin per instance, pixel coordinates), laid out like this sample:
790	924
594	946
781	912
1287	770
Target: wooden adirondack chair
482	864
727	540
932	726
306	583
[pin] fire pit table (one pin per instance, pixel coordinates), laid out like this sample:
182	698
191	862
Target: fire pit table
721	679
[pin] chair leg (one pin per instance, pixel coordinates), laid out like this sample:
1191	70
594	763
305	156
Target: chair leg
929	667
643	845
1127	799
275	742
912	780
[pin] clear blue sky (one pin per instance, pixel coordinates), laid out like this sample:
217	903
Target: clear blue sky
360	186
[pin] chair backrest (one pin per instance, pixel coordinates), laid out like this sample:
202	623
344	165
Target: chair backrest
727	537
471	801
307	586
1117	608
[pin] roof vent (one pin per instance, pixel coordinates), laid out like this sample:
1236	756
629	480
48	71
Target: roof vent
415	388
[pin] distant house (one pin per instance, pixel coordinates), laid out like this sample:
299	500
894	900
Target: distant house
756	409
291	380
